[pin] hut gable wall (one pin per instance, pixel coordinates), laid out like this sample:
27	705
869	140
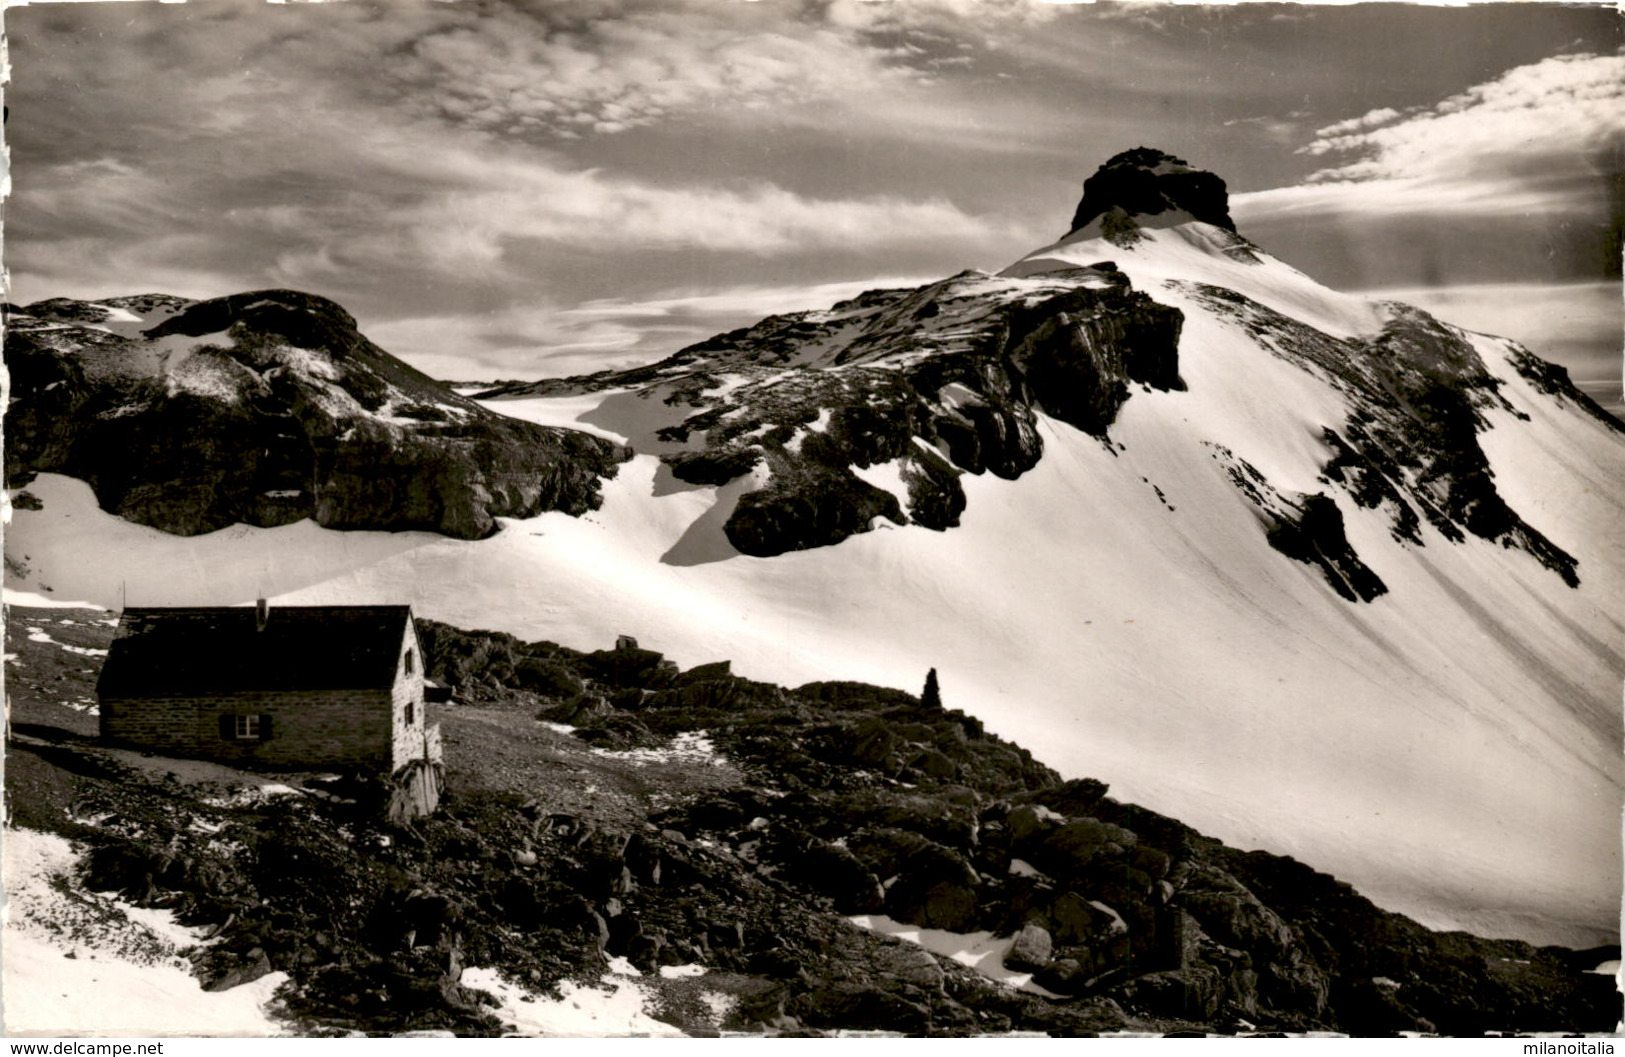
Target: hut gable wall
406	700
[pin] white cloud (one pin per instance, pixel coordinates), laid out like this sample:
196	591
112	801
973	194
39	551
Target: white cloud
589	210
348	194
1558	108
1439	197
441	165
479	206
1371	119
560	70
1535	140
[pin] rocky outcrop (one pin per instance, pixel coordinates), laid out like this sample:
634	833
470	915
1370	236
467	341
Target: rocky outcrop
1554	381
1305	528
1146	182
1417	394
266	408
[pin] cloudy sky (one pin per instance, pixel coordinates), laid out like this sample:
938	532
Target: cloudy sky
523	189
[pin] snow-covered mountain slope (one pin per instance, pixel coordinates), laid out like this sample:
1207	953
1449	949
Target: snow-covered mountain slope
934	382
268	408
1310	573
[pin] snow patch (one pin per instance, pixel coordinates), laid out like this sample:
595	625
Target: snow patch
620	966
690	747
886	476
309	363
981	951
1175	247
678	972
617	1006
39	635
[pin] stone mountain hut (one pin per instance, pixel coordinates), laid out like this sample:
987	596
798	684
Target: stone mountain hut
328	688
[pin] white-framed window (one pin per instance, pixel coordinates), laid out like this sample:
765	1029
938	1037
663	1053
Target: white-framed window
411	665
411	711
248	728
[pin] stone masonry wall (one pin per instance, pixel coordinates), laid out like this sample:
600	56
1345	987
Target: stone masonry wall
317	729
407	738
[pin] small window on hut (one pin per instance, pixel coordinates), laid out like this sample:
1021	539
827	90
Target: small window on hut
245	728
411	666
411	711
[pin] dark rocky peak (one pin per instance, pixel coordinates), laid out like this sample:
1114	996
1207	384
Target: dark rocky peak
1146	182
301	319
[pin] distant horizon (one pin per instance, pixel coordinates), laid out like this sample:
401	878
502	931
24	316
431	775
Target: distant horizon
519	190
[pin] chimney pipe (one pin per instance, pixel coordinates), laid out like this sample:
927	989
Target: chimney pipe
262	614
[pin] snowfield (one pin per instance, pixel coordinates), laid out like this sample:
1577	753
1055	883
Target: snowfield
1452	748
83	964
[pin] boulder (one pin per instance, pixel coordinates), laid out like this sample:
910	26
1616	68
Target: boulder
1031	949
1028	820
1155	864
944	904
546	676
860	1006
1078	796
873	742
624	666
1073	920
833	871
701	673
932	885
236	971
1063	976
910	964
1068	849
1176	994
1233	915
933	764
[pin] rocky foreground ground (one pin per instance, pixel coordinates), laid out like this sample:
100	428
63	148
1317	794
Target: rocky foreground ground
607	808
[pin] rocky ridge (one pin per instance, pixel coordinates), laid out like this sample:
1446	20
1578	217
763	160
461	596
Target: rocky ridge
923	385
608	808
265	408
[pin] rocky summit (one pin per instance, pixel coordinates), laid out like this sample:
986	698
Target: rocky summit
1147	182
267	408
